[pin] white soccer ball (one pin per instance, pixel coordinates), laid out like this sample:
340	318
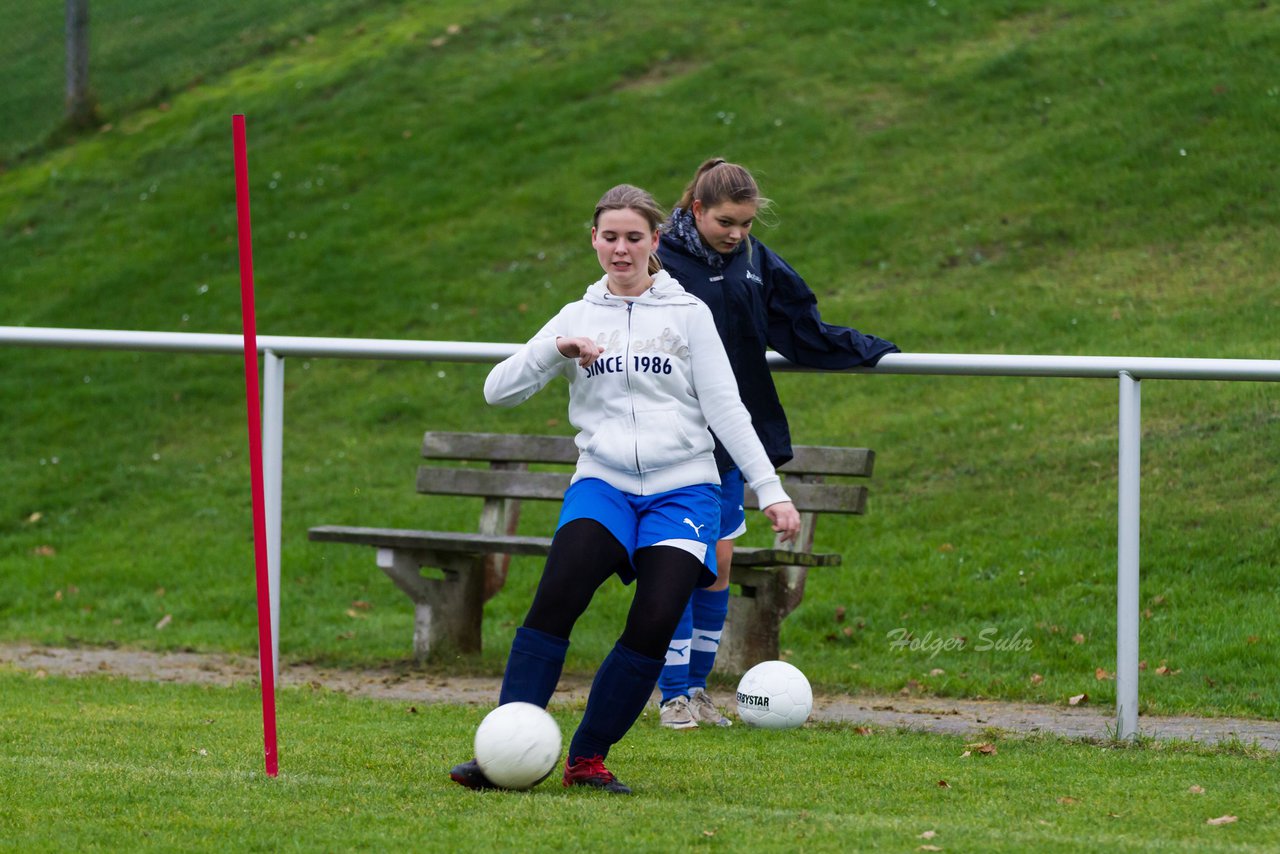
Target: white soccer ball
517	745
774	695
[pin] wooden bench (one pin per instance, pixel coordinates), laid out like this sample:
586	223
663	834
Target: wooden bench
469	567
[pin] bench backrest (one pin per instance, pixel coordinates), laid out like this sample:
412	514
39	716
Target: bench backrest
509	456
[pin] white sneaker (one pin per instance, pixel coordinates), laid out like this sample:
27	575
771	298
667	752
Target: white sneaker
676	714
705	710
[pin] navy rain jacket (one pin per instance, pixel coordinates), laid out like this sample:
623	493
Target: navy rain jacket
759	302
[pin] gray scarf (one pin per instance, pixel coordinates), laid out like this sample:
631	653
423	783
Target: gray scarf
682	227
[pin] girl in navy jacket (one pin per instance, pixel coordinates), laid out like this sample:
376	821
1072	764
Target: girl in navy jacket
757	301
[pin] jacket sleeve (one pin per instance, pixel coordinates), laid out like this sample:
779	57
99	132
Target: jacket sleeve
520	375
717	393
797	331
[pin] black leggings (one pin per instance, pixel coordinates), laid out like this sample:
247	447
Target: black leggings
583	555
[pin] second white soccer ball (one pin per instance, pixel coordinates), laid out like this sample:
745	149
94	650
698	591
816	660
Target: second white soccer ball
774	695
517	745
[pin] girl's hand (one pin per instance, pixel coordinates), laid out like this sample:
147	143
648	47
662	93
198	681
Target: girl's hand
584	350
785	519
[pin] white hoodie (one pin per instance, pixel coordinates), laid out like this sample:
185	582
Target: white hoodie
642	409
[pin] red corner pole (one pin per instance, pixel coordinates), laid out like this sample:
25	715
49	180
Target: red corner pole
265	664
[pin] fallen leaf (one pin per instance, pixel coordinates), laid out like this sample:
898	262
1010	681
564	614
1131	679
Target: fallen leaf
862	730
35	517
708	833
946	547
928	848
164	621
361	604
937	671
965	754
44	551
840	612
943	784
1222	819
1036	678
1077	638
928	834
987	749
1142	665
1101	674
1196	790
1078	699
1066	800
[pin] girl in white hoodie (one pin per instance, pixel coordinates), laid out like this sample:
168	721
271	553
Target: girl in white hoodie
648	377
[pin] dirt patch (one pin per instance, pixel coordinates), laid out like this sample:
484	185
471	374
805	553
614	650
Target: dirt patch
931	714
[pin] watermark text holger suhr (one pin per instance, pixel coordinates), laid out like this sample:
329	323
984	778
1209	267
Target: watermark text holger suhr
988	640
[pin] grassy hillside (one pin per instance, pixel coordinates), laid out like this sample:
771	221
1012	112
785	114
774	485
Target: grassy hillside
1017	177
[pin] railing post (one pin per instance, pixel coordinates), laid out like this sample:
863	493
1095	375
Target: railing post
1127	557
272	475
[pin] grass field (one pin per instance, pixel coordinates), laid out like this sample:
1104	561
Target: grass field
103	764
1016	177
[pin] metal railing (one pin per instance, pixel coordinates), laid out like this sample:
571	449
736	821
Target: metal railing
1129	371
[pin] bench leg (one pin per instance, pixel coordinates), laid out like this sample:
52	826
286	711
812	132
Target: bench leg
448	611
754	621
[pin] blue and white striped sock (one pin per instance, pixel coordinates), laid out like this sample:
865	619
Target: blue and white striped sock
674	680
710	607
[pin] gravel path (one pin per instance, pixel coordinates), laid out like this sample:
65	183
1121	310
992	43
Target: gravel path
931	714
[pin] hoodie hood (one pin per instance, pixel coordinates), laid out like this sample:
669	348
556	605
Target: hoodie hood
665	291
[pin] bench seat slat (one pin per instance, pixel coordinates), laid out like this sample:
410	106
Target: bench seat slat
781	557
402	538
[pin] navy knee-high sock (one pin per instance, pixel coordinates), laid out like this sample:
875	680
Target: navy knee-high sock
621	688
533	667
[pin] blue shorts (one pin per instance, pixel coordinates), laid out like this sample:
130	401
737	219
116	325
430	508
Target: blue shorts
684	518
733	518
